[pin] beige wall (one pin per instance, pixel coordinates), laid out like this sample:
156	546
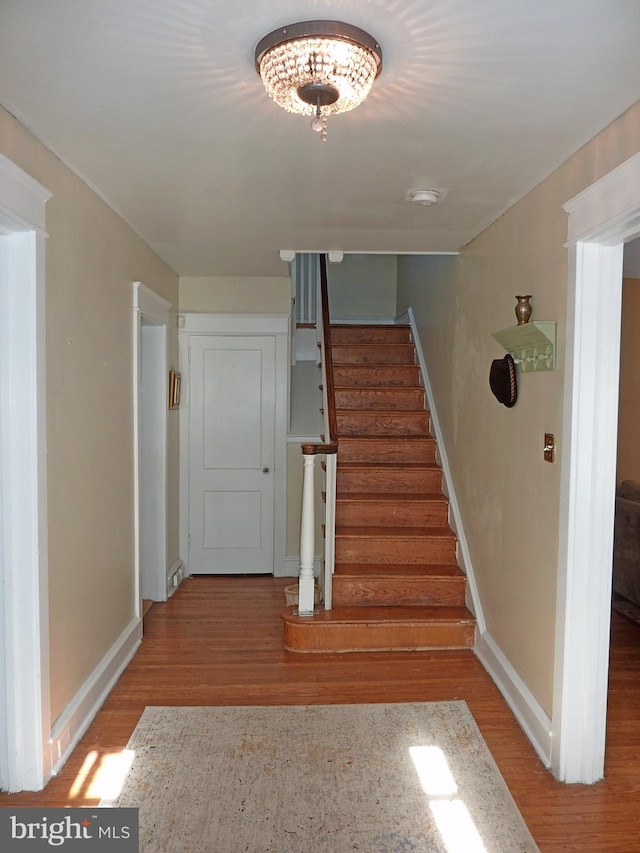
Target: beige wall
509	498
629	407
92	257
362	287
215	295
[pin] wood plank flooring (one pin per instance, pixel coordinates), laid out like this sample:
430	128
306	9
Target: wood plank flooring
218	641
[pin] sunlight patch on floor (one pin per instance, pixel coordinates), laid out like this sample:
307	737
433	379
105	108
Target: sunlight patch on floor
108	779
451	815
78	784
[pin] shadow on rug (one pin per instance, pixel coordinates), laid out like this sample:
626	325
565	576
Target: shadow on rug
331	778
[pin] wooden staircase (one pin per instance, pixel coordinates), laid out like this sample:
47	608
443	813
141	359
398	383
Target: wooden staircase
397	585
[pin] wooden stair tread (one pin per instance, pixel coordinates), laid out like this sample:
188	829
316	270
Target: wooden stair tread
393	497
395	439
368	326
395	532
379	413
387	615
373	388
386	466
393	570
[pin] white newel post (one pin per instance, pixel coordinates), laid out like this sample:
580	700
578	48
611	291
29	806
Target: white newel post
307	544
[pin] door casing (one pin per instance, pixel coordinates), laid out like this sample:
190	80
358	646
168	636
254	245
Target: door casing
602	218
150	409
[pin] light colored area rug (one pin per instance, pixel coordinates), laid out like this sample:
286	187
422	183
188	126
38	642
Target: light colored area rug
331	778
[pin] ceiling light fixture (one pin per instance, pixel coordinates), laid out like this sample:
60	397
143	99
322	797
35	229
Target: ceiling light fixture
318	68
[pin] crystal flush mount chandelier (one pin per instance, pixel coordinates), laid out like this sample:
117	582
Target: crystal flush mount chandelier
318	68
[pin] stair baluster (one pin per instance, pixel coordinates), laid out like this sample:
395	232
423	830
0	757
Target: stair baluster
306	580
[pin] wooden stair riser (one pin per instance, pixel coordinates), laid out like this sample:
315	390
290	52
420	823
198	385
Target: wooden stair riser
386	399
367	636
386	450
372	548
373	354
354	375
407	591
352	512
389	480
383	423
370	334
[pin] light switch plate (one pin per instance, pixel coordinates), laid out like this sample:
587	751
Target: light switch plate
549	447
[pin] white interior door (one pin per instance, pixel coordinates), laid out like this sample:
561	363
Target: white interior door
232	414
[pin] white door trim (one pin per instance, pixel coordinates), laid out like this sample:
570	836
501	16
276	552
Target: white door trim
246	325
601	219
25	747
151	489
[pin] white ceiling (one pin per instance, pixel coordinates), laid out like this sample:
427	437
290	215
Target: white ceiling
157	105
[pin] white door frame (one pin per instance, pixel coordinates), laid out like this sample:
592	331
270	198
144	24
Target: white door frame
601	219
245	325
150	481
25	751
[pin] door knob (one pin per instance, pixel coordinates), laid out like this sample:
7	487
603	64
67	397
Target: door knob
265	470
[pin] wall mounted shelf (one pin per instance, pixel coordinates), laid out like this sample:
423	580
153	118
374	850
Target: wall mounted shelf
532	345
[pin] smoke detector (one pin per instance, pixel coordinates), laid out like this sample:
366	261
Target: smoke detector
424	197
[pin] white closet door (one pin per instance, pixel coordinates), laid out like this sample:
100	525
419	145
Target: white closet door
231	454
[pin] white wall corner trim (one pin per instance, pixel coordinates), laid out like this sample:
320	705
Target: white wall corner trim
535	723
77	716
601	219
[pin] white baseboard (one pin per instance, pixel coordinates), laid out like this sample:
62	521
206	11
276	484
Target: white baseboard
175	576
291	568
535	723
77	716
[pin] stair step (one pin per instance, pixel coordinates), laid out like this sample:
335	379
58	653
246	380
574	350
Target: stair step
373	354
370	333
371	585
370	629
410	478
426	545
389	450
389	398
382	423
399	510
365	570
401	375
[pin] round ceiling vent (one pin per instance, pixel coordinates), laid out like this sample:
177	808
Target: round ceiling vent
424	197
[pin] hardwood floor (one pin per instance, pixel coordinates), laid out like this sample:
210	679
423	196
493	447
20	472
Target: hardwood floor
218	641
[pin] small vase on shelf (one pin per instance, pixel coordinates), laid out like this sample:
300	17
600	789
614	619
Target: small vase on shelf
523	309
